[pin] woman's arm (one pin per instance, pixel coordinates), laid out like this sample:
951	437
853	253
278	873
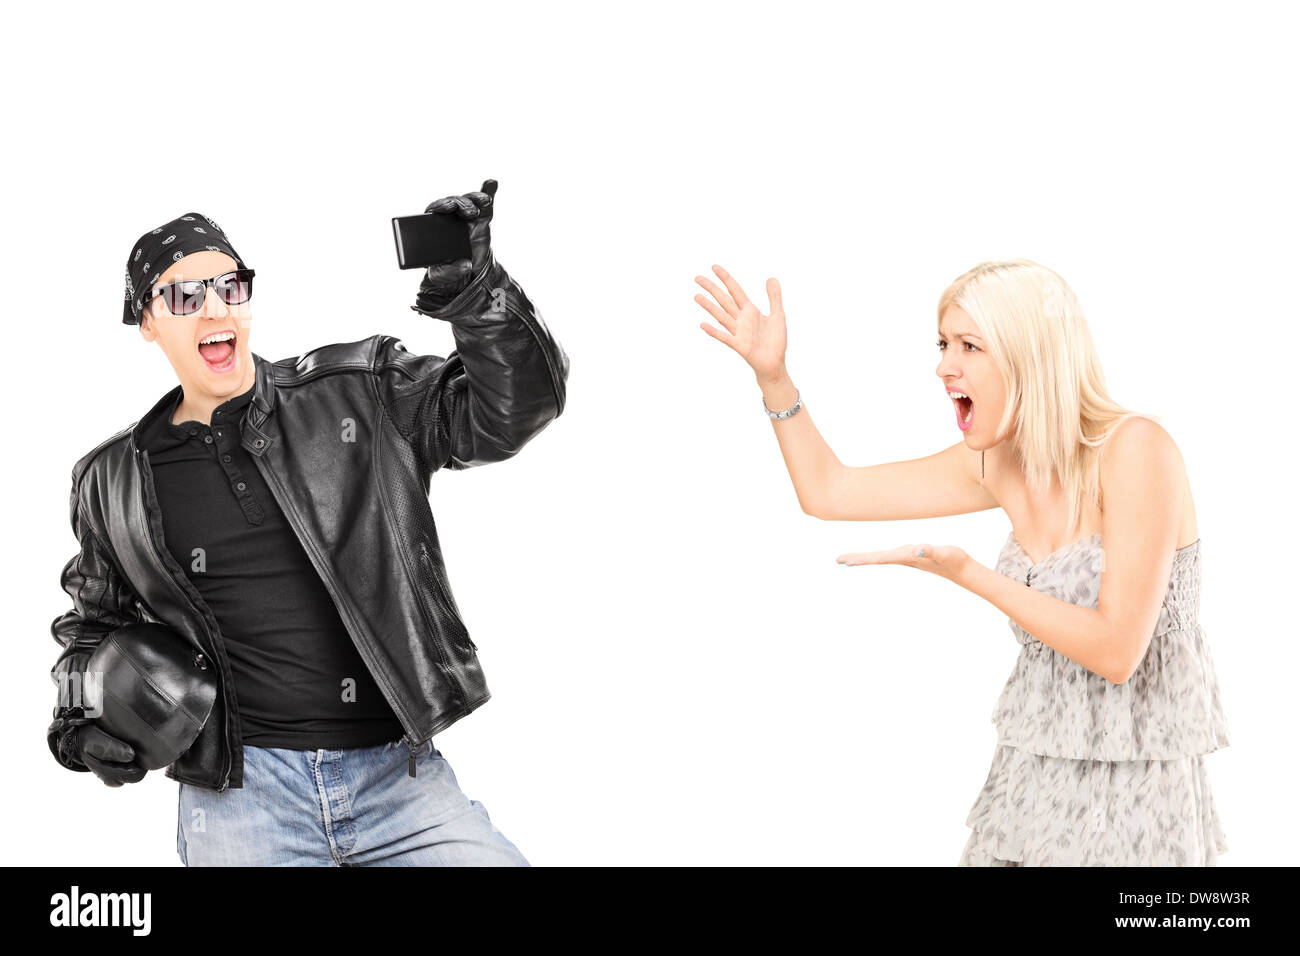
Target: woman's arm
1141	473
814	468
761	341
945	483
1081	634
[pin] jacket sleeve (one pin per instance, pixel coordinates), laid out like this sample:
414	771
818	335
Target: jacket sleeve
502	385
101	602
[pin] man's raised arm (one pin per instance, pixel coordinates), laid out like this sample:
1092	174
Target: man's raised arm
506	379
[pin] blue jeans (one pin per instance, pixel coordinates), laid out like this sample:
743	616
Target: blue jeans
352	807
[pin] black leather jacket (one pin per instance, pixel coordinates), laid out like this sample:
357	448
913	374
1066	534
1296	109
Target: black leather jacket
363	516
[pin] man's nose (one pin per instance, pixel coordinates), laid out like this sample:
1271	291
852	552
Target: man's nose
213	305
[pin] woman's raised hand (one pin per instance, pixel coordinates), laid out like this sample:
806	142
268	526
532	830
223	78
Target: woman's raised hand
757	338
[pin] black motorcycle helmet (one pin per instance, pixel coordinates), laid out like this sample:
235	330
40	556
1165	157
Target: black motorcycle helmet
152	689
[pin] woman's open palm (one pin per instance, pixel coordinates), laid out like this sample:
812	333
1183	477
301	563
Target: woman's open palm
757	338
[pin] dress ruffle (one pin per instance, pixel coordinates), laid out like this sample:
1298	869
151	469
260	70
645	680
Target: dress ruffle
1055	707
1053	811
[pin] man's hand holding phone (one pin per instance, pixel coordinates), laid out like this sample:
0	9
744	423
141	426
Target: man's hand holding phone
444	280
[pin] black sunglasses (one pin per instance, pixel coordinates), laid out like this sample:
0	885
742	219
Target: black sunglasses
187	295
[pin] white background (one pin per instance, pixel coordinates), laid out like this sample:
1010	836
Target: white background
681	672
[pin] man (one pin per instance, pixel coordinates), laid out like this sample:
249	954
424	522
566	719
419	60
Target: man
276	516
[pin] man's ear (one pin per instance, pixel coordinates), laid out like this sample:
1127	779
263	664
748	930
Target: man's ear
146	326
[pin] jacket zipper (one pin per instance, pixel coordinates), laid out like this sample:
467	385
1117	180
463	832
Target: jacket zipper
381	680
437	643
217	649
434	631
445	593
425	560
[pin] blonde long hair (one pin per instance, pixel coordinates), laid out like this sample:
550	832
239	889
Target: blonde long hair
1058	413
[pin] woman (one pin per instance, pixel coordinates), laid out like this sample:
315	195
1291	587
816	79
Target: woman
1113	702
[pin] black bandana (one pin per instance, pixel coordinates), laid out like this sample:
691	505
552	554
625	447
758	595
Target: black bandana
156	250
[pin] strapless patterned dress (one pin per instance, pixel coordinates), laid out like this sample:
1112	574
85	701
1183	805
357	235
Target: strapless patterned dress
1090	773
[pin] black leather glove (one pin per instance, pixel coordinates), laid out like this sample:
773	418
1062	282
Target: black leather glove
107	757
446	280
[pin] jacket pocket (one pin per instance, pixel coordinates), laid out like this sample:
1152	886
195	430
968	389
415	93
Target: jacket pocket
451	614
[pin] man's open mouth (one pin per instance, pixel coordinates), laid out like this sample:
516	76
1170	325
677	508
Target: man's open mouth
218	351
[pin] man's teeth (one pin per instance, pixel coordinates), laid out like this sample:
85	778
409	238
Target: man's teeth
217	337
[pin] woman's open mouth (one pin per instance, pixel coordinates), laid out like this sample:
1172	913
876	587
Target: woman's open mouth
965	409
218	351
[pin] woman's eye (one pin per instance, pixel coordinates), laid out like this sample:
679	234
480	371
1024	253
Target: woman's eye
942	345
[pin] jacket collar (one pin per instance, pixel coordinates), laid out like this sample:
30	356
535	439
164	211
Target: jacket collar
263	400
264	386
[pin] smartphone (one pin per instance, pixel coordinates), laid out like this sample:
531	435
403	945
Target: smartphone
430	238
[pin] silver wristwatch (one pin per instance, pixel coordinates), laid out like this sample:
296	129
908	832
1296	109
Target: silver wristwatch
792	410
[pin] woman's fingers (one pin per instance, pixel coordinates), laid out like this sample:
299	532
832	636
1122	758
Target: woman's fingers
726	321
907	554
865	557
726	338
733	286
774	297
724	300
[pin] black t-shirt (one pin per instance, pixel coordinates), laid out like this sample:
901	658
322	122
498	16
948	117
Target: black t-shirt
299	680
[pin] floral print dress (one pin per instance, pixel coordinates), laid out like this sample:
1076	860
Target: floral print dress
1090	773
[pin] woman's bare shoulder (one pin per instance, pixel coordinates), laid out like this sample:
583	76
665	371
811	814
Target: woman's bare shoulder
1137	441
1143	443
